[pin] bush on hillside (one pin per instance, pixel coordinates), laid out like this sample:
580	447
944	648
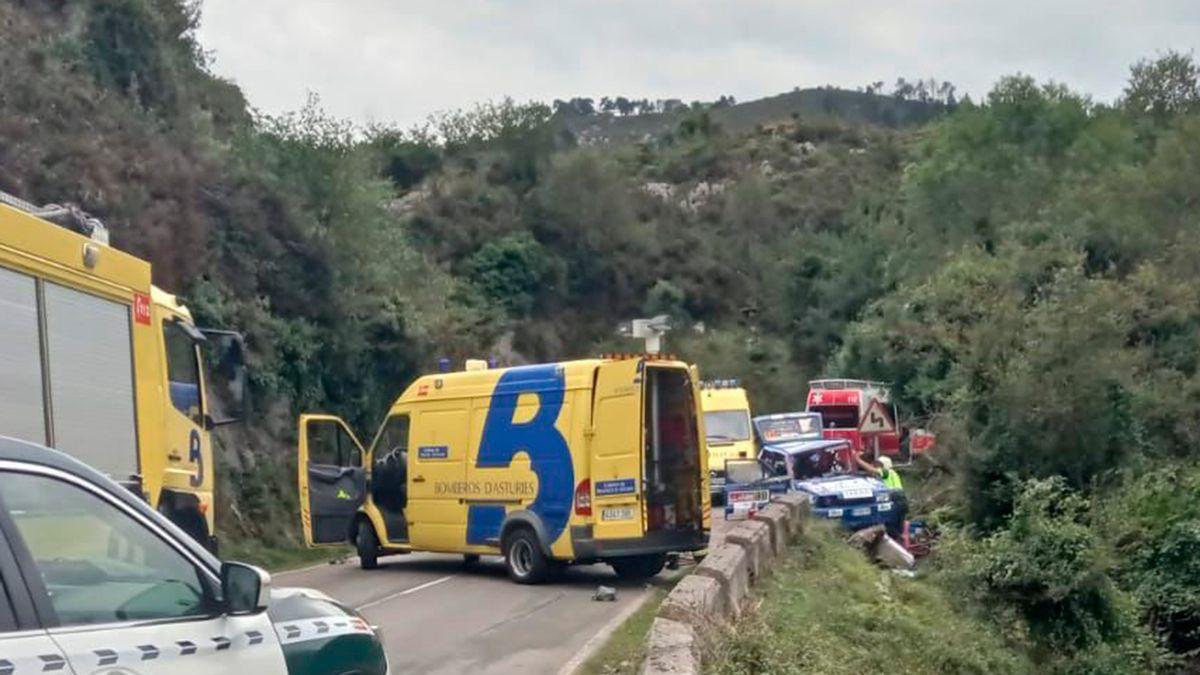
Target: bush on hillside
1053	570
1153	522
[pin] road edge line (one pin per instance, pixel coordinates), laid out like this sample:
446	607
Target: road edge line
309	568
597	641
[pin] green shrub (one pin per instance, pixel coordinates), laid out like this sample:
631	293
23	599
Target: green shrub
1050	567
1153	522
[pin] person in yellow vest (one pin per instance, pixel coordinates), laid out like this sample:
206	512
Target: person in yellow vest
882	469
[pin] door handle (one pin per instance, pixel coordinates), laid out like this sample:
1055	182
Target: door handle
418	479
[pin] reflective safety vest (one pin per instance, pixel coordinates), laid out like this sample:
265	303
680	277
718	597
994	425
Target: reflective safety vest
891	478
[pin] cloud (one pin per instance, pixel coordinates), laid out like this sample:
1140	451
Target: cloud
399	61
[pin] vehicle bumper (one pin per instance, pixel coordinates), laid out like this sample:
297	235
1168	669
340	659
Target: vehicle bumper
859	516
588	548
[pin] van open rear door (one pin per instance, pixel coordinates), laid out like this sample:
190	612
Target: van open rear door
617	450
333	482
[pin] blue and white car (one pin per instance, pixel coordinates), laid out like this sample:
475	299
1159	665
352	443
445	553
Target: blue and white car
821	470
749	486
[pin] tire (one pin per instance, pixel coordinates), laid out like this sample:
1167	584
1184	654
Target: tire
368	546
523	558
636	567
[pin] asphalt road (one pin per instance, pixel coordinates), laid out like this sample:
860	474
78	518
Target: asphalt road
439	616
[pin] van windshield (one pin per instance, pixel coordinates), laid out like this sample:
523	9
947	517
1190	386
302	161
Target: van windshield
727	425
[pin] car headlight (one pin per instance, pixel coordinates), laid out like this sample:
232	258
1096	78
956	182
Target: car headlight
883	497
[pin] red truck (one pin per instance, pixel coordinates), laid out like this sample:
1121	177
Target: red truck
862	412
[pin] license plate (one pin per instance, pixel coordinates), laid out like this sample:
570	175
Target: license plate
865	511
619	513
757	496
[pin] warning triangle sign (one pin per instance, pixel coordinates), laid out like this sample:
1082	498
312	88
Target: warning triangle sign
877	420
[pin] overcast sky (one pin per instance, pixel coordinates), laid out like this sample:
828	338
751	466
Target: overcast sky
397	61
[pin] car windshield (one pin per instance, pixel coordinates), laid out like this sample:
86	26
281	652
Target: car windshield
789	427
727	425
818	463
743	471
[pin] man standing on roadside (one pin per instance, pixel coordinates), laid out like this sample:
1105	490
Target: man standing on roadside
881	468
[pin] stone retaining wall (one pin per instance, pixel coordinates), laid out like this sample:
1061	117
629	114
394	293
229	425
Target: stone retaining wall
713	595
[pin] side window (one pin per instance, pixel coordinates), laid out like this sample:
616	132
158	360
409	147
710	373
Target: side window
390	464
7	621
98	564
183	371
393	440
329	444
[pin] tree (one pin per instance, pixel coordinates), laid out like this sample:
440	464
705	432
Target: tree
1164	87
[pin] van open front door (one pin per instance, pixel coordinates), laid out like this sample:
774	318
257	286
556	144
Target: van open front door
333	482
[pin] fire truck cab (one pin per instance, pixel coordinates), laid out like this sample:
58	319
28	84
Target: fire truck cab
860	411
97	362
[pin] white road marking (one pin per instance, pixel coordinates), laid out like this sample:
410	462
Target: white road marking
407	591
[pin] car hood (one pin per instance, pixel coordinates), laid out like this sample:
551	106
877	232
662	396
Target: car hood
320	635
842	487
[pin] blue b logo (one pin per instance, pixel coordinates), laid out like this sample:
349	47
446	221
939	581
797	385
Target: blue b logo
549	456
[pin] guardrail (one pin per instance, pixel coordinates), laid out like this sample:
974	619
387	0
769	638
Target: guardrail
713	595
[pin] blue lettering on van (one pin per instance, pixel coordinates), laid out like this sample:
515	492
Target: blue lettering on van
549	456
623	486
433	452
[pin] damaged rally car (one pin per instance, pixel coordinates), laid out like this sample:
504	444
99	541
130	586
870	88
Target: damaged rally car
821	470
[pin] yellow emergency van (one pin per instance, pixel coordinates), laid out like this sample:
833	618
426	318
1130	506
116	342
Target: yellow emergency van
728	434
99	363
586	461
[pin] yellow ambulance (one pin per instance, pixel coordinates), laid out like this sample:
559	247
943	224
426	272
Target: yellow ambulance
97	362
598	460
727	428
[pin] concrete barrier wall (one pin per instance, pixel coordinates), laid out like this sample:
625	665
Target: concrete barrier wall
713	595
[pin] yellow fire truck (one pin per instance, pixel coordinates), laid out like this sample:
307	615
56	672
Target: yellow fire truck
97	362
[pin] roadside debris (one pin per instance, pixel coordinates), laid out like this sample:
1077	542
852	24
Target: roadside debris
881	548
605	594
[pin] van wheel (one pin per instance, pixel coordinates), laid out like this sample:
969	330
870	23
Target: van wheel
524	558
368	546
638	566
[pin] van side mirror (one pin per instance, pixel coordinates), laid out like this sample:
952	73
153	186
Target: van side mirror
226	353
245	589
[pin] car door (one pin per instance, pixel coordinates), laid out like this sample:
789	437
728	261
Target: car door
116	592
333	481
24	646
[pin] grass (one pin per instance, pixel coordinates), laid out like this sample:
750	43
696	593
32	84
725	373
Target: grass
279	559
826	609
625	649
